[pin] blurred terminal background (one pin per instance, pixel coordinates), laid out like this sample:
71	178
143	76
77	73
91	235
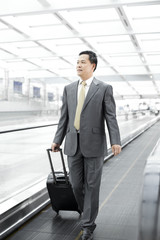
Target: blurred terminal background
41	39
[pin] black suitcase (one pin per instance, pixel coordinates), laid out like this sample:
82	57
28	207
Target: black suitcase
60	189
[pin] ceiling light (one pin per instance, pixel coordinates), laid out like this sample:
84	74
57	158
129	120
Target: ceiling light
142	59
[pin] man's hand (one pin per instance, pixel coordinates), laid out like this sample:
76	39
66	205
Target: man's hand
55	147
116	149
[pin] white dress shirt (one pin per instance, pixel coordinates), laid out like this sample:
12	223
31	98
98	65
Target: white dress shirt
87	86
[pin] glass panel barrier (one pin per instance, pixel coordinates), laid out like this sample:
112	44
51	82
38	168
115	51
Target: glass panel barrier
23	157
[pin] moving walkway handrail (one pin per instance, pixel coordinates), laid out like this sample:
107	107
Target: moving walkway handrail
149	215
54	124
27	128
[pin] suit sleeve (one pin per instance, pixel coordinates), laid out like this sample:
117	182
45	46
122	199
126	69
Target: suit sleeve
110	116
63	121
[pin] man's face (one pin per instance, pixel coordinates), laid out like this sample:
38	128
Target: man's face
84	67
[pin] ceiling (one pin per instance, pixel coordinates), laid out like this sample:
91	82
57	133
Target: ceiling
42	39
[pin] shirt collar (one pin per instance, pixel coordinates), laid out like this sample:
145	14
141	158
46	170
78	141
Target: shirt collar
88	81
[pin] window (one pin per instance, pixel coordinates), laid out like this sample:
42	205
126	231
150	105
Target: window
17	87
36	92
50	97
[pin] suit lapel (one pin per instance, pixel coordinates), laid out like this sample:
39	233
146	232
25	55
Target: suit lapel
74	94
92	90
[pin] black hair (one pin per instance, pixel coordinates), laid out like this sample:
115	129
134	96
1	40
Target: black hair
92	57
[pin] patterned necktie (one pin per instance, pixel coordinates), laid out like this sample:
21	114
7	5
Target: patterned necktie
80	105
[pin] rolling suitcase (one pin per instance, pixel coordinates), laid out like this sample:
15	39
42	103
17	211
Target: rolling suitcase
60	189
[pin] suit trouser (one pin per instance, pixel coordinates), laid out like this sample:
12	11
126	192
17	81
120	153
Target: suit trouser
85	176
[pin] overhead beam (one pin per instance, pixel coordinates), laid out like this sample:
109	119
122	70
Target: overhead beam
52	9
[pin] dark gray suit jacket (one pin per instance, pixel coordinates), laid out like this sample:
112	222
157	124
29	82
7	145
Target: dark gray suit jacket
99	106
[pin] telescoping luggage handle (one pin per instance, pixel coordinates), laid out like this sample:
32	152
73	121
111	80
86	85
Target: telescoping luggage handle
63	164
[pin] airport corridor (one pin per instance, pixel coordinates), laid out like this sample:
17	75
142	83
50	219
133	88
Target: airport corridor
119	199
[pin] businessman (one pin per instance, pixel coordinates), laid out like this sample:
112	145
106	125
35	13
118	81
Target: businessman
87	104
